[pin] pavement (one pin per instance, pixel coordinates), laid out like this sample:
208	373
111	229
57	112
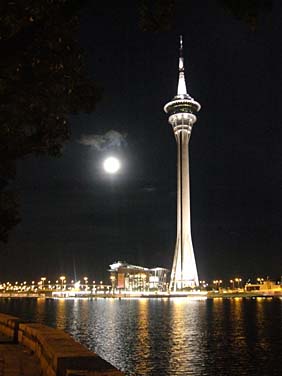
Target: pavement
16	360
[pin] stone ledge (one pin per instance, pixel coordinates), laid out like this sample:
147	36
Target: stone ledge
9	326
58	353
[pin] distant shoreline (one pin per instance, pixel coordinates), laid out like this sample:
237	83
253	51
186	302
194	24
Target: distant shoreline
196	296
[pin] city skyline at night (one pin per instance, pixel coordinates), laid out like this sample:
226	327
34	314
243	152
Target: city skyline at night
126	247
76	218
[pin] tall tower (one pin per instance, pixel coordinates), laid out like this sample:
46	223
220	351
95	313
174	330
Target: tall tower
181	110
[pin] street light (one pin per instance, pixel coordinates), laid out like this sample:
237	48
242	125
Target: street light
62	278
217	283
86	282
43	279
238	280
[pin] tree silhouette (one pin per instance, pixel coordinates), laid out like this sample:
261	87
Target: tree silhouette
43	80
158	15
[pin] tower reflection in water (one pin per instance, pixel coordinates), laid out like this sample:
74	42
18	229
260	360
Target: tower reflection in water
186	337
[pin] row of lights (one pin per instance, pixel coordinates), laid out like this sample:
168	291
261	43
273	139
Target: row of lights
235	282
43	284
61	283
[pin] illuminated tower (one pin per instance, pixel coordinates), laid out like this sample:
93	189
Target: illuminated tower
181	110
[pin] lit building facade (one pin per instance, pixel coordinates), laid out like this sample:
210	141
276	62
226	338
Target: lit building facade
264	287
181	111
129	278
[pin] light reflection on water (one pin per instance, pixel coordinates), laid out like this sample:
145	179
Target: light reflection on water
170	336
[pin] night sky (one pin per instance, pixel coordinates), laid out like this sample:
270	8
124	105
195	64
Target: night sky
76	220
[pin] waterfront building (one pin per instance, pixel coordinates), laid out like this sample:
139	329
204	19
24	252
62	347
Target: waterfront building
125	277
266	287
181	111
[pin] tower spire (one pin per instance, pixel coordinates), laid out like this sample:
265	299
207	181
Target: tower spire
181	88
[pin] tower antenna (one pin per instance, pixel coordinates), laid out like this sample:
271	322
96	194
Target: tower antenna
181	46
181	88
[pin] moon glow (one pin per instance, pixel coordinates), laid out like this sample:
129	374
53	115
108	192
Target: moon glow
111	165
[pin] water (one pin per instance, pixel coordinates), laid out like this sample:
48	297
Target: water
162	337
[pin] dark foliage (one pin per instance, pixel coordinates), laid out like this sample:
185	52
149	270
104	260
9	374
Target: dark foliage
247	10
9	216
158	15
42	81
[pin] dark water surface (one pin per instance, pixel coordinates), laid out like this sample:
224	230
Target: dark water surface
230	337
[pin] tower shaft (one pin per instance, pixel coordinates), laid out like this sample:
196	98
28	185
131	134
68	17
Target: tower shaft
184	270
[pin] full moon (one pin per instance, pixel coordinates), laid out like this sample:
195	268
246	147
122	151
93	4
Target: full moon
111	165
